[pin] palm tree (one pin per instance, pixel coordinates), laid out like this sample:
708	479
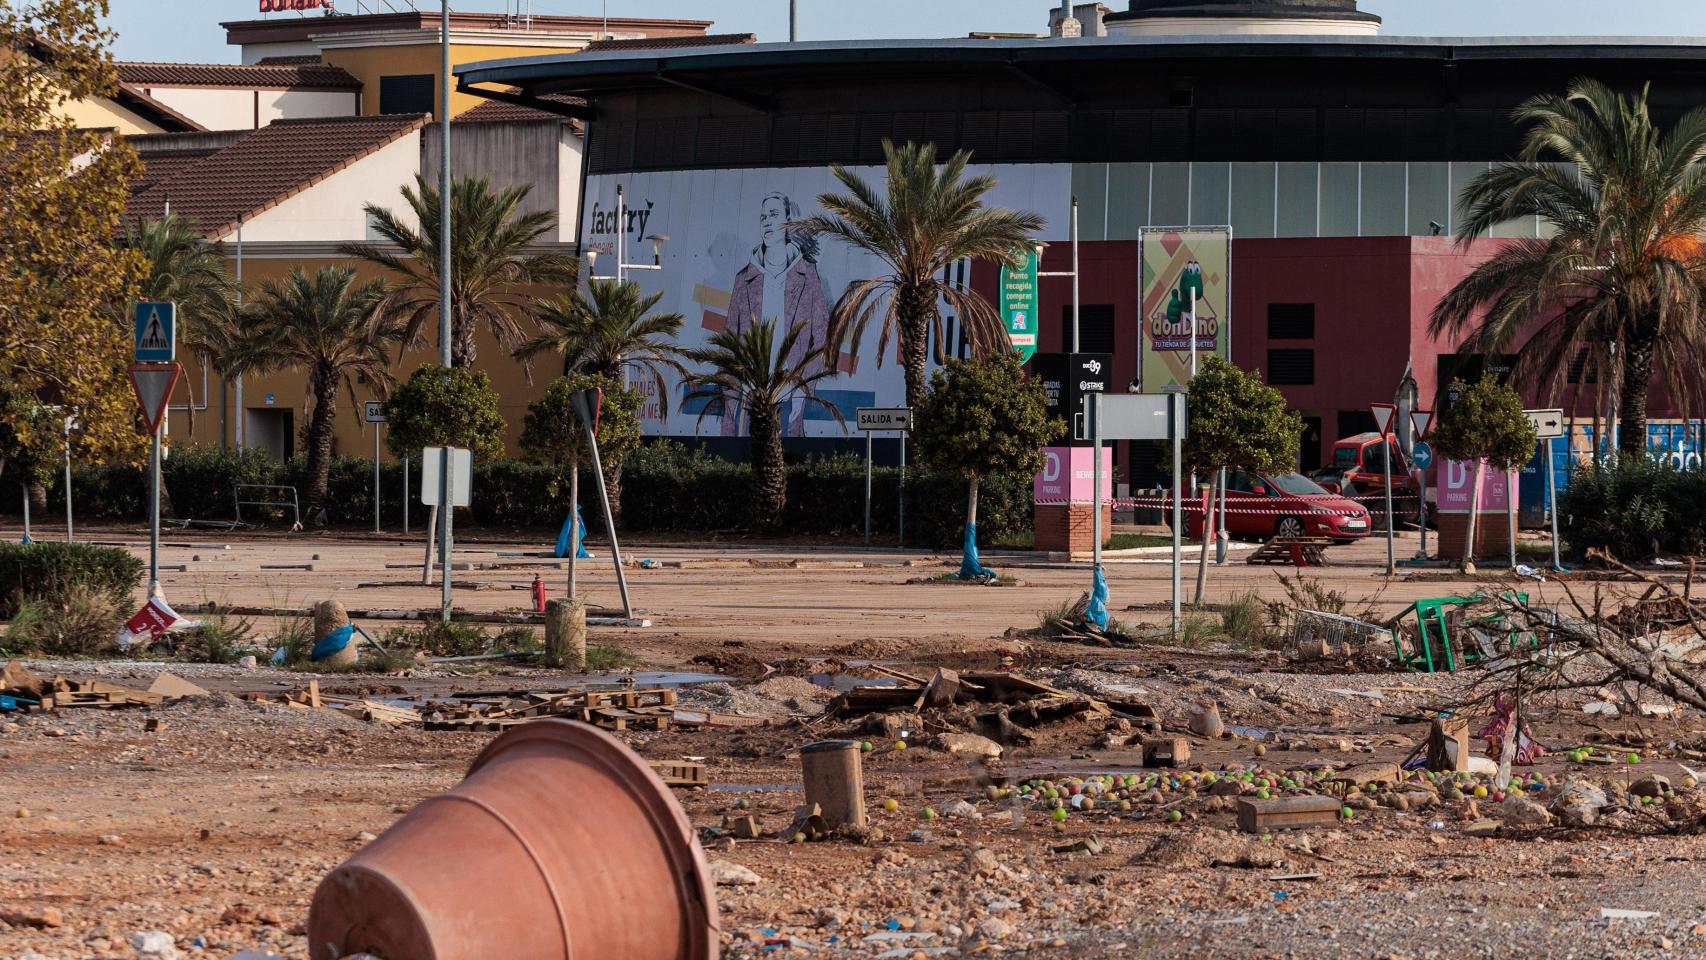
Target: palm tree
336	328
609	333
930	219
751	371
1619	279
187	268
489	260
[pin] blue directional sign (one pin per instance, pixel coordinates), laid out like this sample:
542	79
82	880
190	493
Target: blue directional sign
1423	457
156	332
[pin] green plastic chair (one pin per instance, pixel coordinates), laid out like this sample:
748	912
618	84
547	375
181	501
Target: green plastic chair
1434	643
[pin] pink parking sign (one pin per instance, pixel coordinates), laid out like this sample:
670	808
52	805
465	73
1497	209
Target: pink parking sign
1068	475
1456	480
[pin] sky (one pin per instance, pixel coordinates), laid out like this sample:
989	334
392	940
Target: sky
188	30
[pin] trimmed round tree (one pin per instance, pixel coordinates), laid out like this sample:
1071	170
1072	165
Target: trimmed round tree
983	417
1236	422
1485	425
445	407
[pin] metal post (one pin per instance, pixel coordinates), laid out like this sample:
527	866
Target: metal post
901	493
1095	403
444	283
375	478
154	515
1193	331
1391	532
405	496
1512	478
868	436
1220	519
238	430
621	230
27	537
445	511
1175	426
609	524
1075	346
793	21
1422	513
70	530
1552	505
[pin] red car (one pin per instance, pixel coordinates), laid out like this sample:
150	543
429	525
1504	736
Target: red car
1285	505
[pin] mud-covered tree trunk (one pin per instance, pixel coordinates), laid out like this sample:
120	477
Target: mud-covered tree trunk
1637	376
769	477
320	424
1474	516
917	311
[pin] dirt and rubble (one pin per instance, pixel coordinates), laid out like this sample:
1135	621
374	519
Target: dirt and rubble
211	818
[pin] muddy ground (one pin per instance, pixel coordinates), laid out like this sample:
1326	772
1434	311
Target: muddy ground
216	827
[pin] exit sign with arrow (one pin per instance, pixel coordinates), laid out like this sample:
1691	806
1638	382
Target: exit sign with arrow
1546	423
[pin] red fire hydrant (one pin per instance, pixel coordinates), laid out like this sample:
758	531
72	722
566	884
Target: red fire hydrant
538	594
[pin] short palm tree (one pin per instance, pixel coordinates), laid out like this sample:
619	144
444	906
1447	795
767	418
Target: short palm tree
338	330
1619	279
751	371
490	262
930	218
188	269
609	331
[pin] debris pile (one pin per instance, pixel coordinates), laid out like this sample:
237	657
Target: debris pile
24	692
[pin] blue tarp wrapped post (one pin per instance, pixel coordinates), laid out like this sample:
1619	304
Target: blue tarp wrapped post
333	642
569	531
1096	614
970	568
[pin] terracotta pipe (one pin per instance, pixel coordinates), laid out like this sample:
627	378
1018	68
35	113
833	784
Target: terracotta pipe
560	843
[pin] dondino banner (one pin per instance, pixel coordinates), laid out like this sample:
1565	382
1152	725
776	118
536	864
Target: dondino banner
1177	264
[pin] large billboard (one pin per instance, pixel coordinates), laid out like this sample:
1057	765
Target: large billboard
1180	264
731	257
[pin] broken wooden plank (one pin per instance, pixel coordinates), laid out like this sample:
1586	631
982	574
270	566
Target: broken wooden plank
170	685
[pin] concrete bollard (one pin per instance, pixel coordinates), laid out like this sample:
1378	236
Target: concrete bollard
329	615
565	634
835	781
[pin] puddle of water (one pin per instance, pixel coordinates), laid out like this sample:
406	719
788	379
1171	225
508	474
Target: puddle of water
841	682
652	679
754	788
1254	733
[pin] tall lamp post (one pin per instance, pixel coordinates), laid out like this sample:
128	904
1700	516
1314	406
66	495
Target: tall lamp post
622	266
444	285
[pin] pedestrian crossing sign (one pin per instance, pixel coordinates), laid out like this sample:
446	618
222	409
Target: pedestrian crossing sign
156	332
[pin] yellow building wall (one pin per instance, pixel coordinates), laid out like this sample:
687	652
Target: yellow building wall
368	64
288	388
103	114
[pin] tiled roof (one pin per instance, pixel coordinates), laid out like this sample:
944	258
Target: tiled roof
670	43
497	111
266	167
162	165
271	76
294	60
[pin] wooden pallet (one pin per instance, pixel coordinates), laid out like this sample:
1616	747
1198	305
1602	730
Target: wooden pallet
1292	552
682	773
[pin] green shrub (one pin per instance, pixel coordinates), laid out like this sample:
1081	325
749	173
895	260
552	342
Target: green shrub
223	637
1635	508
78	625
1244	619
202	481
58	572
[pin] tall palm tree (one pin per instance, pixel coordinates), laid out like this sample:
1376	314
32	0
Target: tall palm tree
931	218
1619	279
751	371
608	332
340	331
188	269
490	262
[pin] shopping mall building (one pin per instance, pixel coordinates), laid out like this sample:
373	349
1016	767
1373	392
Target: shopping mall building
1332	151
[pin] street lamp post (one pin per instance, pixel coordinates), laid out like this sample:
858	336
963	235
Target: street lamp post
622	266
444	284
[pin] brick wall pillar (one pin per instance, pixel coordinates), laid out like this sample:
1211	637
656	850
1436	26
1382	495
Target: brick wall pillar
1066	528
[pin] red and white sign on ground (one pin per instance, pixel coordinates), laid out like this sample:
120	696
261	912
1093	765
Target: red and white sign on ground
154	383
1385	414
149	624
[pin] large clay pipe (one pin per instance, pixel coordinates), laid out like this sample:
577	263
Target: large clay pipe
560	843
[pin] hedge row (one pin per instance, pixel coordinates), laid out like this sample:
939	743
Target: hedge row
55	572
1635	509
665	488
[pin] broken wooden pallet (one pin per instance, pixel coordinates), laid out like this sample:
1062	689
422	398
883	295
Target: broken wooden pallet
681	773
1292	552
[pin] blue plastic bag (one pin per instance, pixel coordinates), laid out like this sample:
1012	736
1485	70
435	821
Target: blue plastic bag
1096	614
970	568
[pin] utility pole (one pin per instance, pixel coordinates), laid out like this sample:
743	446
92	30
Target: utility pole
793	21
444	283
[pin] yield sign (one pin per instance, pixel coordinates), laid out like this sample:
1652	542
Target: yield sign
1384	414
154	383
1420	420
